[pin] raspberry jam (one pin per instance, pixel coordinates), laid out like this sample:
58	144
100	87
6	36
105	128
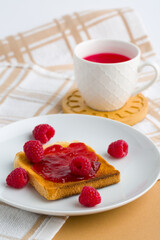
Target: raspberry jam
55	165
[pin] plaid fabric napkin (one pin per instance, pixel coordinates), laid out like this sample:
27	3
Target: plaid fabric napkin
25	93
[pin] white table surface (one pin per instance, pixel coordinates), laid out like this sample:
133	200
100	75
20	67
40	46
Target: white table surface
20	15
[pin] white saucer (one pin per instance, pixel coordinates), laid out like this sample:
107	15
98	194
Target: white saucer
139	170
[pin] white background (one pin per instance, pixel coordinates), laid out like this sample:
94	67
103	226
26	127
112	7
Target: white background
20	15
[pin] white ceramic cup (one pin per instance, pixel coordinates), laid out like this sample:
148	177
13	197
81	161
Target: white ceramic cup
108	86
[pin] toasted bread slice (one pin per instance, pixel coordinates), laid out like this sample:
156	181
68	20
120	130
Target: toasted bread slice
105	176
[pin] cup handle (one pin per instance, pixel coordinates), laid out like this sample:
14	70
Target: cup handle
156	68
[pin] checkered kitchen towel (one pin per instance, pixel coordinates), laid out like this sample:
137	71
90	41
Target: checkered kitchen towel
25	93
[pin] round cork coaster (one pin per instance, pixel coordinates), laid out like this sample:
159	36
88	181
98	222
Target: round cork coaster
131	113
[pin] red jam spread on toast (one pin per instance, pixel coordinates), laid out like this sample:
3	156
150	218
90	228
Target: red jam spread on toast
55	165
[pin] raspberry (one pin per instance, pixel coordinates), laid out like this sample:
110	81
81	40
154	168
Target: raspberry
80	166
33	150
18	178
43	133
118	149
89	197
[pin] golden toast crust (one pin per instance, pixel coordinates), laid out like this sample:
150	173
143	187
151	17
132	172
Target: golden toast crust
105	176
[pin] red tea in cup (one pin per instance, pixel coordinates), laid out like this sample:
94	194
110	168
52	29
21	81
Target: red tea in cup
107	58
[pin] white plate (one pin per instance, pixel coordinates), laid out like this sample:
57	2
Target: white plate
139	170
